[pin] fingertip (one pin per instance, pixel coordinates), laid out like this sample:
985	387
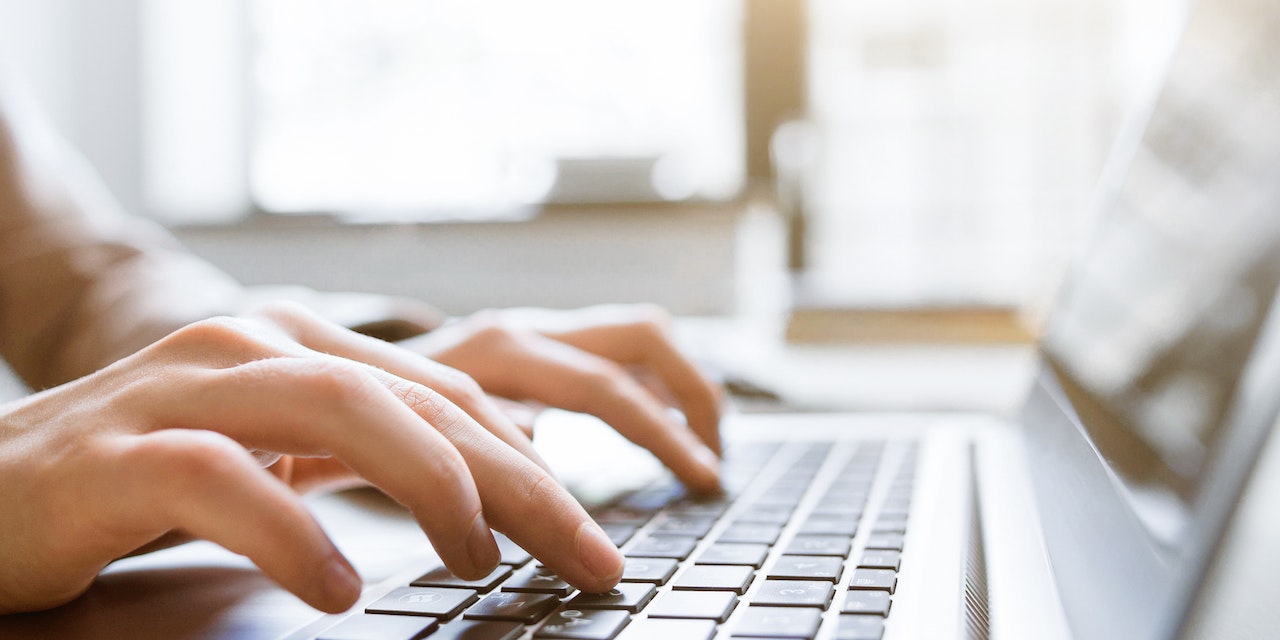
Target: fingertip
600	556
482	549
704	475
341	586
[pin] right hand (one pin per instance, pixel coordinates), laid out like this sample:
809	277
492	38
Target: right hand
94	469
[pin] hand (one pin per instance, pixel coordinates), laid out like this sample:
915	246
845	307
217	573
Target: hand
96	468
619	363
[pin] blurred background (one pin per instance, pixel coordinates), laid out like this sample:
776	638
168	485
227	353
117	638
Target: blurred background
703	155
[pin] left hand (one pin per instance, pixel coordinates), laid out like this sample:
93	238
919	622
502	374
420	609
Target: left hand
618	363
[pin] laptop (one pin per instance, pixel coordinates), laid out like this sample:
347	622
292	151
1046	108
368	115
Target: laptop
1098	512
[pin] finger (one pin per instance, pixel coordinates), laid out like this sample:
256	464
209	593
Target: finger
322	474
525	502
636	337
698	397
524	414
323	405
563	376
321	335
206	484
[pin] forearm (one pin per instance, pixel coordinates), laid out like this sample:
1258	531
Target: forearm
82	284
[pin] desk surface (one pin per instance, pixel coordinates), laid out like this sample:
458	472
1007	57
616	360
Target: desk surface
864	376
200	590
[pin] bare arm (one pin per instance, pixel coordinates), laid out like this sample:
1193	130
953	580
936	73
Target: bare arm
112	456
81	283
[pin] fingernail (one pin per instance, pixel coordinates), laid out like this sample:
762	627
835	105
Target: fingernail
481	546
710	463
341	584
598	554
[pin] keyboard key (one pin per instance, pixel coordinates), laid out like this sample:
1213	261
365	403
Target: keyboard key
654	498
867	602
837	510
423	601
619	515
675	525
874	579
678	547
440	577
525	608
670	629
619	534
830	525
898	493
781	497
655	570
735	553
538	580
708	577
849	492
808	545
626	596
766	514
512	554
364	626
709	605
753	532
899	496
794	593
790	484
886	541
778	622
711	506
881	559
892	517
807	568
889	527
852	627
895	509
472	630
579	624
855	476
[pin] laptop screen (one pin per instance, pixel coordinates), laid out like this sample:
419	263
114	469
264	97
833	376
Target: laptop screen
1152	334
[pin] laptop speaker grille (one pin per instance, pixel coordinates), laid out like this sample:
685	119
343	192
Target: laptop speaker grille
977	611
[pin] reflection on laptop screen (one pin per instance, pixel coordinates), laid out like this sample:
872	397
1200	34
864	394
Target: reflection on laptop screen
1152	334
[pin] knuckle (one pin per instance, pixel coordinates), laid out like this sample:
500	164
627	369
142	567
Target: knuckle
652	317
216	332
336	380
539	488
490	328
284	313
537	492
190	456
433	407
449	466
606	379
424	401
459	386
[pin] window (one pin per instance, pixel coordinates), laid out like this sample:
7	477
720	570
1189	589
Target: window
461	107
960	143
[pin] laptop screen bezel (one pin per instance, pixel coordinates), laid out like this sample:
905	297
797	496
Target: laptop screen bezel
1116	577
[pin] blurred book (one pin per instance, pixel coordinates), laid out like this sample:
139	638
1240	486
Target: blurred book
817	316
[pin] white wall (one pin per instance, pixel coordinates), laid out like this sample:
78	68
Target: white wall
80	59
35	42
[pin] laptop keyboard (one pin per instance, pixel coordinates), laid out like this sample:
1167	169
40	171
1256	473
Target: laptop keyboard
807	539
